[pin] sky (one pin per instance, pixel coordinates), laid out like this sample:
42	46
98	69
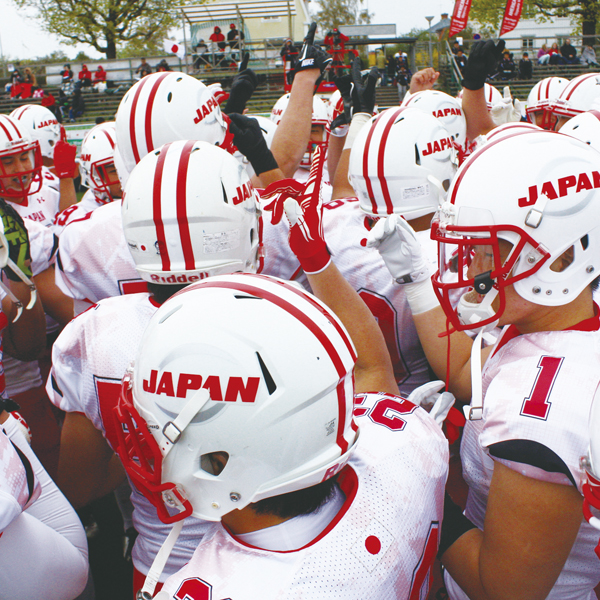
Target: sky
21	37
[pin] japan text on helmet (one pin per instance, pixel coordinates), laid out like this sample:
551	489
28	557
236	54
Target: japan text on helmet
402	162
166	107
222	369
20	160
41	124
319	118
189	212
97	160
445	108
268	129
585	127
548	211
540	100
578	95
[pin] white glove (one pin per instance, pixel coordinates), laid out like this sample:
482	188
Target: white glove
396	241
438	405
507	110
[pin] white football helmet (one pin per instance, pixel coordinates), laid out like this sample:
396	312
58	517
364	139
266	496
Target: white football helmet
189	212
402	162
97	160
540	100
166	107
335	107
222	369
268	129
585	127
445	108
492	95
319	117
544	209
20	160
41	124
578	95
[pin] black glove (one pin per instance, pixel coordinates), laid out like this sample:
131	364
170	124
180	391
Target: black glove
243	86
311	56
363	94
249	139
344	85
482	62
18	241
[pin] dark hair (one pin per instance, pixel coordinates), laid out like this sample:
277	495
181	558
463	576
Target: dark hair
300	502
596	284
162	293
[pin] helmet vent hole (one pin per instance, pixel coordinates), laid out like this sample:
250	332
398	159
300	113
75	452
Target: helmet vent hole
214	462
170	97
585	242
417	155
446	184
224	194
179	79
271	387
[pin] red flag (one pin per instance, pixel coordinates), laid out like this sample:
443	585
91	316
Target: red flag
512	14
460	16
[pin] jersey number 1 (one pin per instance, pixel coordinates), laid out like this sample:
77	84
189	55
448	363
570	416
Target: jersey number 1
536	405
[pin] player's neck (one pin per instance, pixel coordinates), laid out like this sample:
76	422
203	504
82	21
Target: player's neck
421	223
247	520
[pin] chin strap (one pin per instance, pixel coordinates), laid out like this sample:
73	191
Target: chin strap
158	565
474	411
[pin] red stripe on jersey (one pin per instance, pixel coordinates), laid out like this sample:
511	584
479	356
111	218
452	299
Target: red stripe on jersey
182	218
314	329
157	212
380	160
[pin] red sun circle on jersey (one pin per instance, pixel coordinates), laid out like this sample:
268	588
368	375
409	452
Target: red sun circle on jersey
373	544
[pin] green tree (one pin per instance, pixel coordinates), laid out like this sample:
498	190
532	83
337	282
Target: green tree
585	13
335	13
104	24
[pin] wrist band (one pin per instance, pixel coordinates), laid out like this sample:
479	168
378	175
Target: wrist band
358	121
420	296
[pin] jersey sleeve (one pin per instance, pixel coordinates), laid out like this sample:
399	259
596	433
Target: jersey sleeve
43	246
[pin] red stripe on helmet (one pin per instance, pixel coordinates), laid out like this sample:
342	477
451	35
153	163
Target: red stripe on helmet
389	205
5	129
366	165
150	104
575	85
132	127
312	327
157	212
182	218
109	138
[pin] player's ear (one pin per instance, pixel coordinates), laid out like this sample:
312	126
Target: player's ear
563	261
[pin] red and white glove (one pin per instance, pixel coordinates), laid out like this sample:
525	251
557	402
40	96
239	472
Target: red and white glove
304	210
65	166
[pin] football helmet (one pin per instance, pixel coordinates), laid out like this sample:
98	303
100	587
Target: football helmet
189	211
402	162
585	127
578	95
41	124
540	100
537	230
445	108
268	129
492	95
335	107
166	107
97	160
222	369
20	160
319	118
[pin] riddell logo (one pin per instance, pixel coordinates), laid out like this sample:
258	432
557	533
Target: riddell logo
235	386
446	112
242	193
205	110
583	181
178	278
437	146
47	123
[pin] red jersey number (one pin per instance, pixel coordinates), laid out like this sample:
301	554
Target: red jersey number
386	411
537	405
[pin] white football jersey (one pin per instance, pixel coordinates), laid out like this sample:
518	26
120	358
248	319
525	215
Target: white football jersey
43	206
94	261
344	226
87	204
538	389
15	495
380	545
89	358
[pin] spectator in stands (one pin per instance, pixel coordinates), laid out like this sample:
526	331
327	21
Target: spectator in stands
542	55
569	53
199	59
49	102
525	67
67	74
30	78
77	106
555	56
506	67
588	56
289	53
391	67
461	59
99	79
143	69
218	44
456	47
233	39
85	77
163	65
381	67
403	81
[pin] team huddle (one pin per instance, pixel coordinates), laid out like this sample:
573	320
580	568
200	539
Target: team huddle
273	332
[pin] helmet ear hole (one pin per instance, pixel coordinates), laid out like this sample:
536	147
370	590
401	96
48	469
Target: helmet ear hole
585	241
214	462
563	261
417	156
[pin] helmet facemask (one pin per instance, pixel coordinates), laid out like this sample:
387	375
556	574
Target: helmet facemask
20	170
